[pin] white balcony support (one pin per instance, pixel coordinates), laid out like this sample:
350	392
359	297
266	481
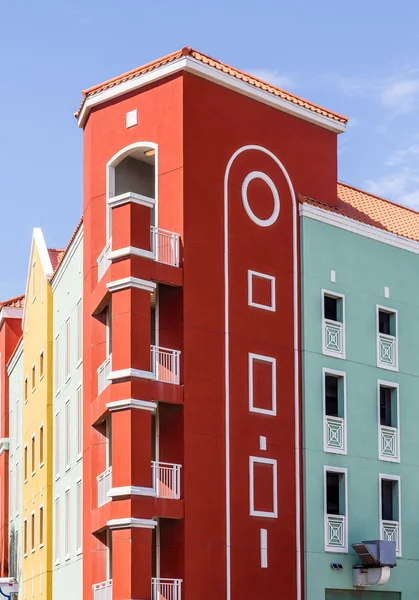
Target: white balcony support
334	434
103	590
103	373
103	261
166	480
166	589
165	364
335	533
390	531
165	246
387	352
333	338
389	443
104	484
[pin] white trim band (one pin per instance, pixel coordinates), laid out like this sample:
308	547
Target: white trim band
131	403
131	282
129	523
131	490
127	373
130	198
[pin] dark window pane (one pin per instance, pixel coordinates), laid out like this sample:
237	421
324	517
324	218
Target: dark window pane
332	493
387	488
330	308
385	406
332	405
384	322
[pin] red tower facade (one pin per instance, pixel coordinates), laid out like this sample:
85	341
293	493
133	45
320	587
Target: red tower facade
191	322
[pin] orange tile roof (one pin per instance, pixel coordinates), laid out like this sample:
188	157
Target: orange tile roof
64	252
56	257
216	64
372	210
16	302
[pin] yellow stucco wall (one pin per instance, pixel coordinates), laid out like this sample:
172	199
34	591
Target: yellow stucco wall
37	413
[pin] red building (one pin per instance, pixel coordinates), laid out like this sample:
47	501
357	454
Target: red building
10	333
192	171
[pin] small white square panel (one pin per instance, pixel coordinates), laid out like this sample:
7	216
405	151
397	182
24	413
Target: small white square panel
132	118
267	281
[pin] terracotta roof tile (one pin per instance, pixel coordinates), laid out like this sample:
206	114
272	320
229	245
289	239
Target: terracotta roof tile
372	210
16	302
216	64
64	252
56	257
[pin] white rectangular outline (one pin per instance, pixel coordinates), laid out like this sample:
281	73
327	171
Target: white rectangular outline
262	442
394	312
263	548
272	361
262	513
324	350
393	386
327	371
397	478
250	275
342	471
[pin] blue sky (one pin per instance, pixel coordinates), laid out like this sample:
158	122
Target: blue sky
358	58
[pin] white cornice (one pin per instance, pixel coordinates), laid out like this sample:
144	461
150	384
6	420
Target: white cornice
129	523
10	312
17	354
67	258
130	251
196	67
131	282
369	231
131	403
128	373
131	490
131	198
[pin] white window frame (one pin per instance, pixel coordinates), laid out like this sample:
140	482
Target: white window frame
272	361
57	444
341	471
33	378
67	354
67	437
25	537
41	362
41	509
33	532
57	364
33	454
273	514
79	332
57	537
79	410
325	350
41	445
67	524
25	463
108	323
250	275
33	278
395	387
79	511
326	448
397	478
17	489
392	311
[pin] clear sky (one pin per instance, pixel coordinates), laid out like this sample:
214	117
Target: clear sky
359	58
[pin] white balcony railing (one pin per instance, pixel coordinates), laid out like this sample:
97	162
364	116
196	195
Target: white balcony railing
387	351
334	434
165	246
103	261
335	533
333	338
166	589
390	531
165	364
103	590
104	484
166	480
389	443
103	373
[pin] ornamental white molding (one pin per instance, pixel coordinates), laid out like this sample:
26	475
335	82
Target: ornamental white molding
129	523
131	490
131	403
131	282
127	373
130	198
130	251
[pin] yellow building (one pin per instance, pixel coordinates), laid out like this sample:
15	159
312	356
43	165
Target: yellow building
37	464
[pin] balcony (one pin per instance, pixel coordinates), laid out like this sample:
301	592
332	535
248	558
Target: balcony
104	484
166	480
334	434
335	534
165	364
166	589
390	531
103	373
103	261
387	352
389	443
165	246
333	338
103	590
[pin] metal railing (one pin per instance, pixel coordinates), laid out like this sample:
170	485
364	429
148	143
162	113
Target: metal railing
103	373
165	364
103	590
390	531
166	479
335	433
389	442
335	532
103	261
166	589
387	351
333	337
104	484
165	246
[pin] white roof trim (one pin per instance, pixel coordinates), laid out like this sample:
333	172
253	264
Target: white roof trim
16	356
67	258
10	312
196	67
38	240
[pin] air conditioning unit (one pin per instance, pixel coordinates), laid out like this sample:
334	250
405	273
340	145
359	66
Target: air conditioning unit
377	557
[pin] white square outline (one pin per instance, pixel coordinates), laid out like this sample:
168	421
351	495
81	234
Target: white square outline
395	387
391	311
272	361
263	513
397	478
250	275
328	469
340	374
325	351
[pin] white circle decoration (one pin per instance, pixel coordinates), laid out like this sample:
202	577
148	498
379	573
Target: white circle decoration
275	213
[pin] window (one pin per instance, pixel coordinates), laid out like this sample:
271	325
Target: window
33	377
334	406
57	444
67	434
26	389
33	532
41	445
25	463
57	363
335	508
57	530
41	526
79	330
390	510
387	344
79	509
25	537
41	365
17	488
79	422
33	278
108	317
67	361
33	454
67	525
333	326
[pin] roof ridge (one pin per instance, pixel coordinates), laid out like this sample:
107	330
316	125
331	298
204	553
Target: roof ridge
12	300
